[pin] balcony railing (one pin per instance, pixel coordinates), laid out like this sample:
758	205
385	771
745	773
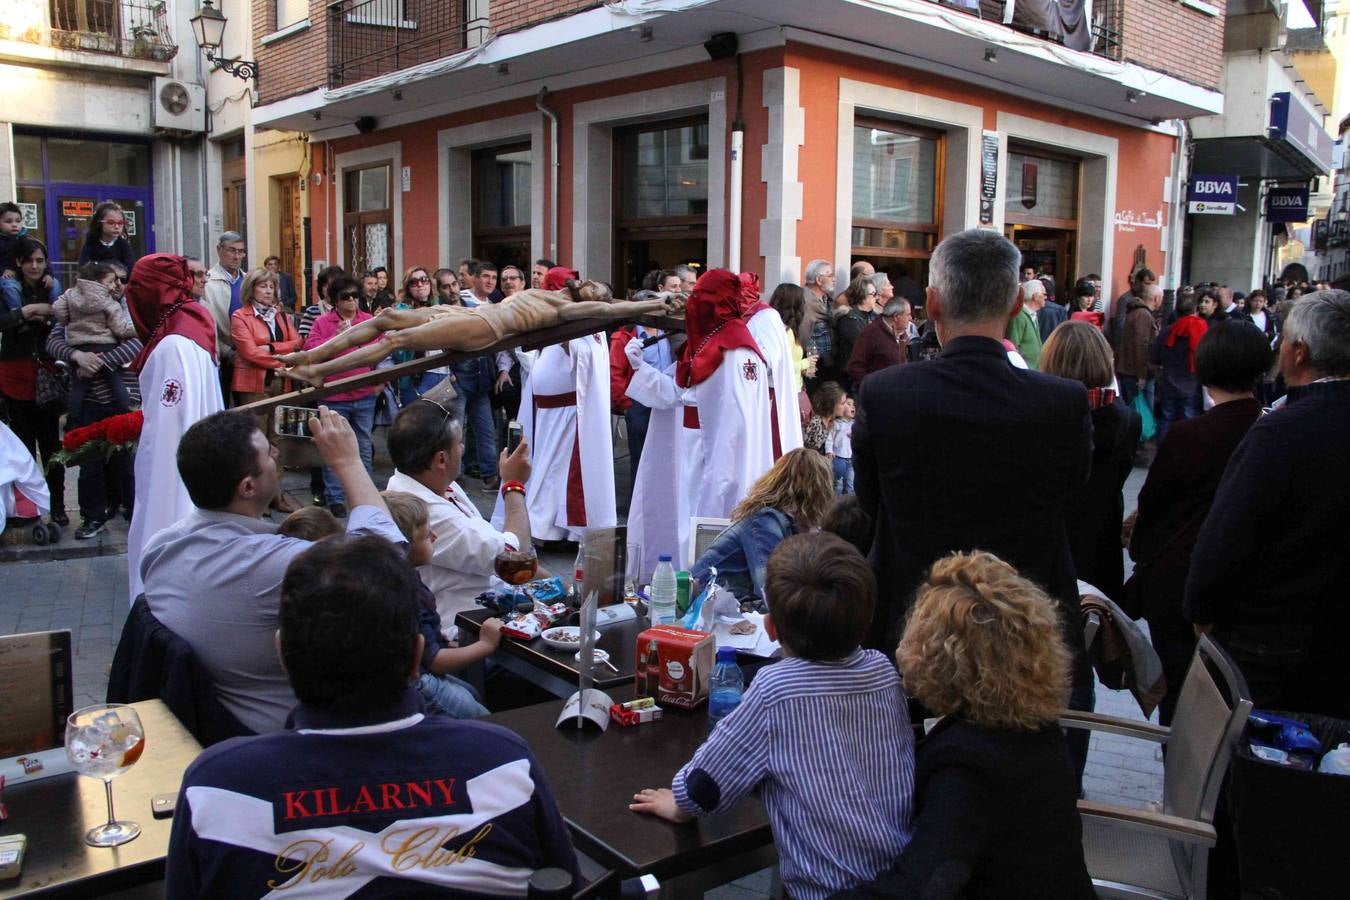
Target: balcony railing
367	38
1105	30
135	28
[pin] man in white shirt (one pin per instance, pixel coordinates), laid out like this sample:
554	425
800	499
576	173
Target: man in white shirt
426	444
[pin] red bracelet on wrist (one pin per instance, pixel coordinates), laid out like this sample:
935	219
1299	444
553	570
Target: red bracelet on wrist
512	487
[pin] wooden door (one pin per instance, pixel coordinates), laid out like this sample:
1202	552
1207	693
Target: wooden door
289	238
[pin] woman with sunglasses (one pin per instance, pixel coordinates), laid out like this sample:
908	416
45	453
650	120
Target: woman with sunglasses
356	406
107	238
416	293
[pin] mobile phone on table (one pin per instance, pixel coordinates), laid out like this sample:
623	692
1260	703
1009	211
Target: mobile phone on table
163	805
514	434
293	421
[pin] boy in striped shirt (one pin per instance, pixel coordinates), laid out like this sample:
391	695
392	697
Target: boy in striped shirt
823	735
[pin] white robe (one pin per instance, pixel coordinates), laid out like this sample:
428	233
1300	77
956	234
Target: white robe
179	386
571	486
766	327
20	476
668	474
704	471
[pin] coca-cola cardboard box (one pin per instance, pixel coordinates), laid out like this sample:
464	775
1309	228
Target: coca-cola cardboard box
674	664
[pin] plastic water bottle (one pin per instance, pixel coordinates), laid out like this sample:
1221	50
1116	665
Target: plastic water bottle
663	592
725	688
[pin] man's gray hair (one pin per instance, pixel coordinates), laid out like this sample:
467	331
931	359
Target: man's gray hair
229	237
814	269
1032	288
880	280
1320	321
976	273
685	271
896	306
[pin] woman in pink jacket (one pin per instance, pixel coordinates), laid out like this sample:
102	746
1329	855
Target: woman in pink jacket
356	406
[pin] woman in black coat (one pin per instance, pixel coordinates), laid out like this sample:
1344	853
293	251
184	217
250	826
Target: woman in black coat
1077	350
1175	499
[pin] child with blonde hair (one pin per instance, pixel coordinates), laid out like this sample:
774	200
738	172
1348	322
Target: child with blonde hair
442	692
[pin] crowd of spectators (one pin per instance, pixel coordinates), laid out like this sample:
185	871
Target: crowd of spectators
940	511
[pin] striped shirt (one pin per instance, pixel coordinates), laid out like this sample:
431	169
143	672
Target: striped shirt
830	748
100	389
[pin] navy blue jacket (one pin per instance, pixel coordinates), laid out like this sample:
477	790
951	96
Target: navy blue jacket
461	808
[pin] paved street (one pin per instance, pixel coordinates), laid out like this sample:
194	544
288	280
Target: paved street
87	595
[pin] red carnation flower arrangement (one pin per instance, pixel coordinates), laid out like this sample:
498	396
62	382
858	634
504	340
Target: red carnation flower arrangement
100	440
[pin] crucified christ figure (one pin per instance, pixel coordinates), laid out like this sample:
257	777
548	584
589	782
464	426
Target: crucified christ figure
465	328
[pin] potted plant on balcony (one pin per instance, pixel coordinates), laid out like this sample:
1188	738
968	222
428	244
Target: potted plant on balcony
143	40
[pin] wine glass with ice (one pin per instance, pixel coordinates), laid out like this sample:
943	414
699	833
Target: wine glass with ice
103	741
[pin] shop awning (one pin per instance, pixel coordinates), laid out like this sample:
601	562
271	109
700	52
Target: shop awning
1295	146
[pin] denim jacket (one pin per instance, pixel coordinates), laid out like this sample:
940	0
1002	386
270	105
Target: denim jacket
741	552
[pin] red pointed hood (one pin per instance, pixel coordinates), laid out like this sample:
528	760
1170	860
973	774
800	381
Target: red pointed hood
159	298
713	325
557	277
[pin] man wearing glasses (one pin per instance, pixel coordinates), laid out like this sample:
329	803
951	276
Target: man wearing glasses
223	282
814	334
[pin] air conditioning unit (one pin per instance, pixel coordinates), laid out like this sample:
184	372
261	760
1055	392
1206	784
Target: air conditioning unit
180	106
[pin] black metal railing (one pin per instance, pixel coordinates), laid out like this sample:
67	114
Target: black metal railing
367	38
1105	28
136	28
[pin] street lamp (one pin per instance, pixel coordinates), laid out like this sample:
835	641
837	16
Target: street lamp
208	26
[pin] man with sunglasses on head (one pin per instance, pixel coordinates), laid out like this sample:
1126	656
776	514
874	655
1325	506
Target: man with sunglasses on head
426	443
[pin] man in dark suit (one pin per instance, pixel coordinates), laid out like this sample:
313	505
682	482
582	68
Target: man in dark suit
967	452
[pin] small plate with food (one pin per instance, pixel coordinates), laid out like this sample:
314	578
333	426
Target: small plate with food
564	637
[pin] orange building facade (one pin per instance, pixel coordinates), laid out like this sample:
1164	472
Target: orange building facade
620	146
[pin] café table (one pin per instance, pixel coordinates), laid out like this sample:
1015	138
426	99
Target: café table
556	671
54	813
594	776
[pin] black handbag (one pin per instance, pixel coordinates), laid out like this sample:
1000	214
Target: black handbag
52	389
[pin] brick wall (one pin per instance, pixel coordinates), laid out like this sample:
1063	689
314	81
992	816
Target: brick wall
1161	35
296	63
508	15
1178	40
300	62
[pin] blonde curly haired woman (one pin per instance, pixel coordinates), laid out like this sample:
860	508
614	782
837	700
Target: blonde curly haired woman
995	791
790	498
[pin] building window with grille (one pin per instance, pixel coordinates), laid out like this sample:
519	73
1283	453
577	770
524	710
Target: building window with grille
501	205
661	206
367	218
897	200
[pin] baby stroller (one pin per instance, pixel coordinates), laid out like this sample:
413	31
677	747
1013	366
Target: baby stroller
23	491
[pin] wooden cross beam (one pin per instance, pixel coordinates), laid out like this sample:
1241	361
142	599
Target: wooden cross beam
532	340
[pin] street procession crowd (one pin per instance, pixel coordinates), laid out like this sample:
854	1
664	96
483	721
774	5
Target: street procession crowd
916	479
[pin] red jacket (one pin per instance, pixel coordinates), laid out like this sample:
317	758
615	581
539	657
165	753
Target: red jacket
254	345
620	371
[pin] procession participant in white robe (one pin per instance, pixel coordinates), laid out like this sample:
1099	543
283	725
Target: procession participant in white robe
670	470
23	489
180	384
722	371
564	414
766	327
